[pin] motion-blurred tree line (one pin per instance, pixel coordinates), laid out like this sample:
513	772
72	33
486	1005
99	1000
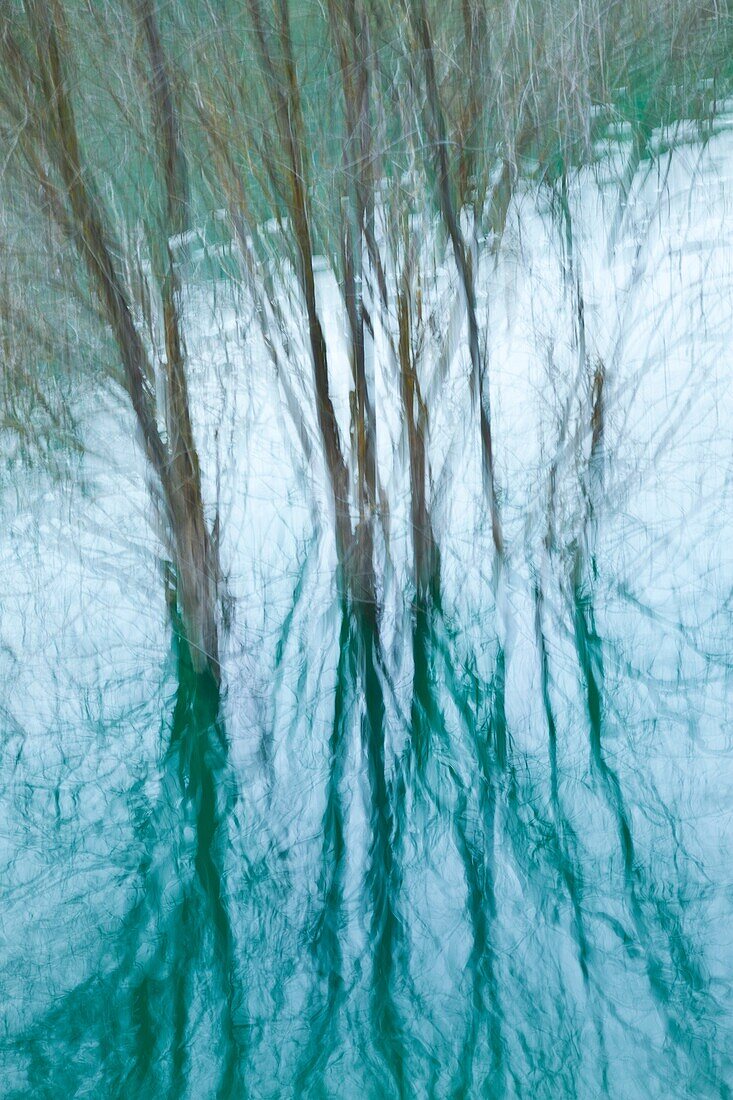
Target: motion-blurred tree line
354	126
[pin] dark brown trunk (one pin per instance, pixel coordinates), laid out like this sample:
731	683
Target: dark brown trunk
436	130
285	96
350	32
198	567
424	548
177	475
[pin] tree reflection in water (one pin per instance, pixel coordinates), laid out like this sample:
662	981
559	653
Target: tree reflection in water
398	334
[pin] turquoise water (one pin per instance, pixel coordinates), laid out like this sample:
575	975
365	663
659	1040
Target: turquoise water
390	857
468	838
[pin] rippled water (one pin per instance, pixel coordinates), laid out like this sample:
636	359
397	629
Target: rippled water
473	842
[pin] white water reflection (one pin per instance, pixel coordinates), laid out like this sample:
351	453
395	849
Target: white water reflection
484	854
